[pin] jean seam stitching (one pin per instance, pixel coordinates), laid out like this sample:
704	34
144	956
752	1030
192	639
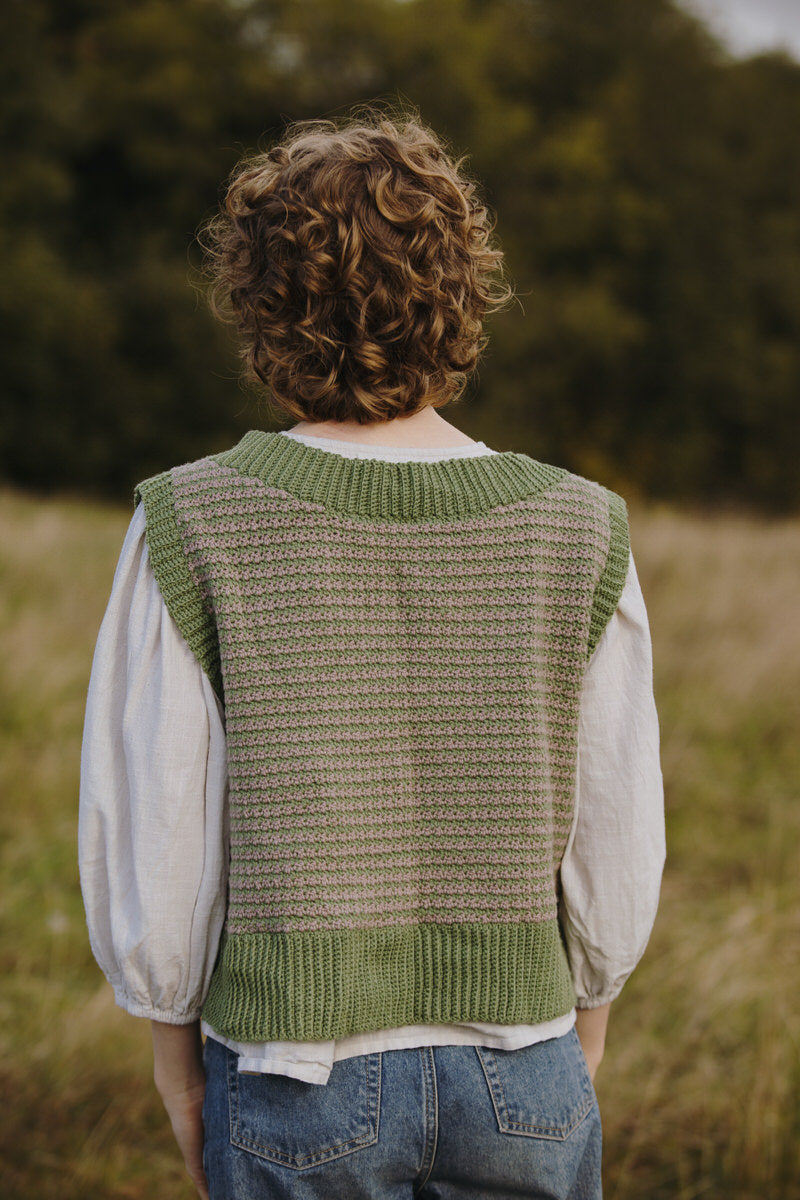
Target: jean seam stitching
429	1061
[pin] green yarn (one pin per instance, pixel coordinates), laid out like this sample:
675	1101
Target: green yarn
171	569
401	648
318	986
374	489
612	581
405	491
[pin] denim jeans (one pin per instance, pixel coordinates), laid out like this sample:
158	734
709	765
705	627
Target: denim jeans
437	1122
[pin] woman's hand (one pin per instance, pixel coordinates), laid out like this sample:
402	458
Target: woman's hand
591	1025
181	1084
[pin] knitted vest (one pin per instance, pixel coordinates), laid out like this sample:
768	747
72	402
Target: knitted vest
400	649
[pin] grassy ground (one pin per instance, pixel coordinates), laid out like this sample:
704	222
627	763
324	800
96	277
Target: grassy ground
699	1088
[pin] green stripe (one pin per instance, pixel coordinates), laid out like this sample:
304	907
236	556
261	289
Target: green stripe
174	579
612	581
314	986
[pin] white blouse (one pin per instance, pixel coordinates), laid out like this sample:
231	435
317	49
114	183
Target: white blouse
153	834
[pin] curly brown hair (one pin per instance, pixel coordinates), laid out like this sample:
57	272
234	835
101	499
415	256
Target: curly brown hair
356	261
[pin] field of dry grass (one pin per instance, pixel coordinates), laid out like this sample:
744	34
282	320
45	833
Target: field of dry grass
699	1088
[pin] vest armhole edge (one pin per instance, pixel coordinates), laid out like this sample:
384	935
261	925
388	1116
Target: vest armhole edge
612	578
176	584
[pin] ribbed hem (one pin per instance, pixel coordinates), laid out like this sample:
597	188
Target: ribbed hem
323	985
390	491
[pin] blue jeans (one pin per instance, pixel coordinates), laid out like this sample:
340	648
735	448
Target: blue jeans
439	1122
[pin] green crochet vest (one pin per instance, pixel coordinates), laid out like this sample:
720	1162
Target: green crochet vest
400	650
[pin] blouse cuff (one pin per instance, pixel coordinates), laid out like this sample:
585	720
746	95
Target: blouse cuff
598	981
167	1017
599	1000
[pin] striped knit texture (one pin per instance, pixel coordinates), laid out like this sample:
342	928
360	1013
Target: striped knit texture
401	649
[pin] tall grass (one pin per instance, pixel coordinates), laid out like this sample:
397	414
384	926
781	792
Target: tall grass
700	1086
700	1089
80	1118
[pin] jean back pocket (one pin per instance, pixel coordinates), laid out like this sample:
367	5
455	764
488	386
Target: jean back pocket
300	1125
539	1091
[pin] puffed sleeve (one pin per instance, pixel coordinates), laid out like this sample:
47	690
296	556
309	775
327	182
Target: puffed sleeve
152	829
612	866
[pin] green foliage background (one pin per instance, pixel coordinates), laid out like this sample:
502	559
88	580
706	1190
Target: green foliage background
647	189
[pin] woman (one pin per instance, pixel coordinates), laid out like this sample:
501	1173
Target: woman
370	787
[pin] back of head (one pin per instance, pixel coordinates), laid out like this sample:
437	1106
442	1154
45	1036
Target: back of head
356	262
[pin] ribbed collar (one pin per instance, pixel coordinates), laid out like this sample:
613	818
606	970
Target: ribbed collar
393	491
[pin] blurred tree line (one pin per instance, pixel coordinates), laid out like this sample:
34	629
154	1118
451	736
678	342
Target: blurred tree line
647	189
